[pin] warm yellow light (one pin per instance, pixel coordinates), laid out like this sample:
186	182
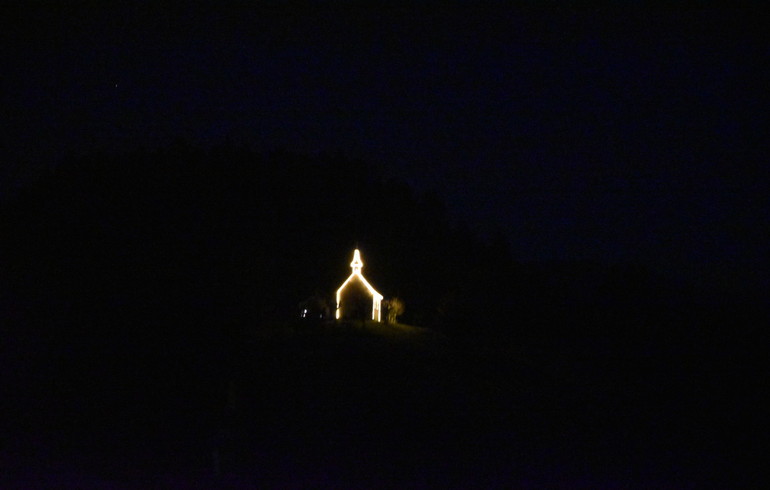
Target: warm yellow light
357	265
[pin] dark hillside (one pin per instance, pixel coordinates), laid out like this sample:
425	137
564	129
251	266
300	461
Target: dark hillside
131	284
148	302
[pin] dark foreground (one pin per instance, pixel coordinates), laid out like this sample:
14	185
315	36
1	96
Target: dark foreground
346	406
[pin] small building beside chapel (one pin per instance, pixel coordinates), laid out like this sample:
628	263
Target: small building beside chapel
356	298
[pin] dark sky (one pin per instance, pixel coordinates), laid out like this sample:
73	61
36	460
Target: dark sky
622	135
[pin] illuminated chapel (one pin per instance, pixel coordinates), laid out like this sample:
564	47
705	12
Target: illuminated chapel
356	296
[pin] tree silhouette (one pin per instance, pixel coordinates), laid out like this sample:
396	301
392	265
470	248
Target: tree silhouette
395	308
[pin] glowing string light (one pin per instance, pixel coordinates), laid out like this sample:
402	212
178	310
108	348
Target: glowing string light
357	265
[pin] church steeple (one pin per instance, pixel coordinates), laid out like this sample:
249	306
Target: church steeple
357	265
357	277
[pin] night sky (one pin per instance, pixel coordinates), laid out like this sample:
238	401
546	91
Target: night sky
622	135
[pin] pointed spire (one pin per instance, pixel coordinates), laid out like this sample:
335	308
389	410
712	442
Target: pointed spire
356	265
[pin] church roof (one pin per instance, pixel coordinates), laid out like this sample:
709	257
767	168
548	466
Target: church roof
357	265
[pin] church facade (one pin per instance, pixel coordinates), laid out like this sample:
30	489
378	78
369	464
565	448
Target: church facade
356	297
